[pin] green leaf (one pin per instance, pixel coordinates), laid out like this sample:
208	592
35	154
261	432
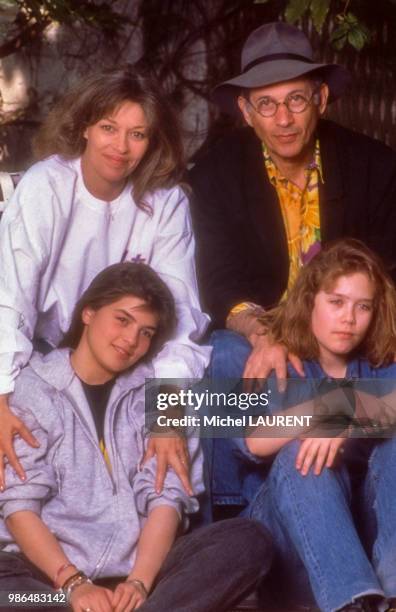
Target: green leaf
358	37
341	30
319	10
339	43
339	36
350	30
351	19
295	10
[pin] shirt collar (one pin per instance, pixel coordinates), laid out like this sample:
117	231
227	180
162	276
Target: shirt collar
317	161
275	175
313	369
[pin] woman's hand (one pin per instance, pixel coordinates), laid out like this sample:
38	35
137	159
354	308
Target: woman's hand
264	358
171	450
88	596
11	426
128	596
318	453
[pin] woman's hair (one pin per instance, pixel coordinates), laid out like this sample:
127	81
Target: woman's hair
290	322
98	96
116	282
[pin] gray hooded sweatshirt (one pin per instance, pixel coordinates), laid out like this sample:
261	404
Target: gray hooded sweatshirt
96	513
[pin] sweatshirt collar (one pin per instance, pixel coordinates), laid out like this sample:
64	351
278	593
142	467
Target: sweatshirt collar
55	368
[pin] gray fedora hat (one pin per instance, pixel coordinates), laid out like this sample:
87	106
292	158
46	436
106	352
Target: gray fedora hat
273	53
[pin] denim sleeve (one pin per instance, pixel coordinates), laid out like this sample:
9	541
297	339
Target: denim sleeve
240	449
377	381
298	390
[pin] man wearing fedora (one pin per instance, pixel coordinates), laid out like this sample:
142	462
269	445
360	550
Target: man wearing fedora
267	196
265	199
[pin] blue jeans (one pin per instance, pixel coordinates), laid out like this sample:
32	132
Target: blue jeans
228	481
311	521
380	513
316	546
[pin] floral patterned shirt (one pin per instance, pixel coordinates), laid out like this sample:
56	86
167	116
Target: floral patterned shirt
300	212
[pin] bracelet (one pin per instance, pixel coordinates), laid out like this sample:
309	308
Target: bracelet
71	578
60	570
139	584
73	582
77	582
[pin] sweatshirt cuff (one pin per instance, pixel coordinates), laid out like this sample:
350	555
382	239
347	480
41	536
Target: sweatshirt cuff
17	505
155	503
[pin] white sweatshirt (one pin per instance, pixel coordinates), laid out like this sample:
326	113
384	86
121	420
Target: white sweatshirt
55	237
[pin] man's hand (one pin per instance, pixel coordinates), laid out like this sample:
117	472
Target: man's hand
171	450
266	357
11	426
128	596
91	597
318	453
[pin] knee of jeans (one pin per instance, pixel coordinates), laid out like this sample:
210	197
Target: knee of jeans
284	472
229	355
286	457
250	543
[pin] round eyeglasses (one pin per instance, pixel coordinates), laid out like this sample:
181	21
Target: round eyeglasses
294	102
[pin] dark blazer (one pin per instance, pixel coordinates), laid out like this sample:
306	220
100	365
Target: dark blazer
241	242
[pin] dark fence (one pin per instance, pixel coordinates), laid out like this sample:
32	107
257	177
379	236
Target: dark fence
191	46
369	105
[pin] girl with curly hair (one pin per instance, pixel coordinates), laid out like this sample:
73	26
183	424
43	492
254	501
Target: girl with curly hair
327	494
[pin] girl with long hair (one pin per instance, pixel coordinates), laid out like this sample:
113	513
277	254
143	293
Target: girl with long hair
328	498
88	521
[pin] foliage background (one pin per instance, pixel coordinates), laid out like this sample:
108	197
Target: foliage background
190	46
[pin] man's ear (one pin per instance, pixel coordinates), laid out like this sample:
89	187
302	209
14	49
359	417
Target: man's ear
87	314
324	96
244	108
